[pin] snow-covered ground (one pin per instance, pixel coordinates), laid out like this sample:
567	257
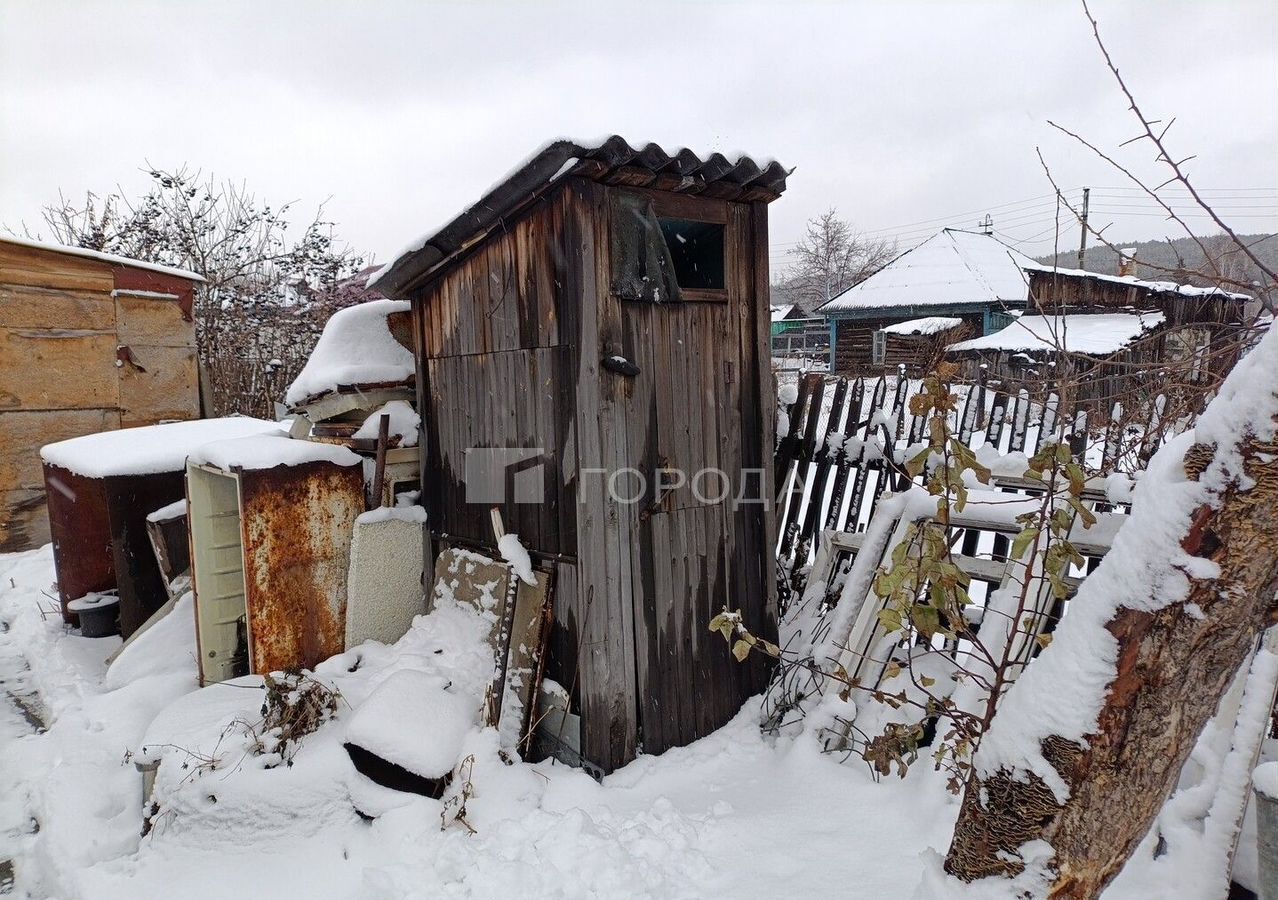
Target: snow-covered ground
734	815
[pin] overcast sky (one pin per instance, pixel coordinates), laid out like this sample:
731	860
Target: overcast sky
904	115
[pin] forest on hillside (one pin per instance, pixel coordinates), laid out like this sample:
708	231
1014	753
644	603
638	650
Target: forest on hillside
1181	259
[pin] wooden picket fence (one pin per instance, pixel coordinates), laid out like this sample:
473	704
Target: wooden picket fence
836	458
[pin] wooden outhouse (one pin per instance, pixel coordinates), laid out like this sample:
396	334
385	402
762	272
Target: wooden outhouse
593	359
88	342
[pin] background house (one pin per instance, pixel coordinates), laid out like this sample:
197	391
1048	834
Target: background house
88	342
974	280
955	274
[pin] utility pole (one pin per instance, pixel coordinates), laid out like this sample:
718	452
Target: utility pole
1082	239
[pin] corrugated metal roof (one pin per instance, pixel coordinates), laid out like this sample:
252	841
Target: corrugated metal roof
951	267
611	160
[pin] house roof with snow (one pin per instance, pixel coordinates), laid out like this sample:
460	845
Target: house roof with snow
611	160
1088	334
951	268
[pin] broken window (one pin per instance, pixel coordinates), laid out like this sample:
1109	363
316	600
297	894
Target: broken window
697	251
662	259
642	267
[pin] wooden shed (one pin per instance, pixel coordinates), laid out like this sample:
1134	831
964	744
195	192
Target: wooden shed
916	345
88	342
593	346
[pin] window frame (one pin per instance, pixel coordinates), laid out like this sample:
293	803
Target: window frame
693	208
878	347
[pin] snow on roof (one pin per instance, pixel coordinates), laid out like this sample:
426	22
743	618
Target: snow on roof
149	449
926	325
102	257
1091	334
950	267
357	347
780	312
1156	287
266	451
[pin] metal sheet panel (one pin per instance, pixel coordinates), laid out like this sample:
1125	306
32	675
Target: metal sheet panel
80	524
297	523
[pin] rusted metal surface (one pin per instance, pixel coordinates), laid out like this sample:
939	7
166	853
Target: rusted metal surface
297	523
100	539
80	525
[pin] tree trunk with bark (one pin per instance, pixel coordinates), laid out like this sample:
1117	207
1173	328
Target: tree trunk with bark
1174	665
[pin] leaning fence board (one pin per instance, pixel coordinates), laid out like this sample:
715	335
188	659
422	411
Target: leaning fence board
867	427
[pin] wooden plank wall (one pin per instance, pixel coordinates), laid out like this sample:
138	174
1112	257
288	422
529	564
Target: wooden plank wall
498	371
697	404
920	353
1049	292
497	337
512	337
60	326
854	345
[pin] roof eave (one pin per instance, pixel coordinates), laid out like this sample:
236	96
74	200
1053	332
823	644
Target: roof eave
613	161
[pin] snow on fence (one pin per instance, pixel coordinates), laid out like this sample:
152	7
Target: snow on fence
844	440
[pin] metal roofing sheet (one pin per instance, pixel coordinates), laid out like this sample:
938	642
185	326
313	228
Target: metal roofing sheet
610	159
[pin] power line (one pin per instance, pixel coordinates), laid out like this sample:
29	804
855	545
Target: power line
1173	189
910	226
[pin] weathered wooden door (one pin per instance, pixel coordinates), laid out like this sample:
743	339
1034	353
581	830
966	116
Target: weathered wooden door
155	359
693	494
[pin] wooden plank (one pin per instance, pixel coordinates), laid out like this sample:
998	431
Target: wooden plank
34	267
1020	421
607	662
763	386
32	307
62	369
159	384
997	421
24	432
152	322
823	468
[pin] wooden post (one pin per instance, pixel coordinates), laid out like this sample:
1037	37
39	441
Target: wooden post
379	467
1082	239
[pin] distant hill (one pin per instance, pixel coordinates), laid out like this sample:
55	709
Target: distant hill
1179	260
